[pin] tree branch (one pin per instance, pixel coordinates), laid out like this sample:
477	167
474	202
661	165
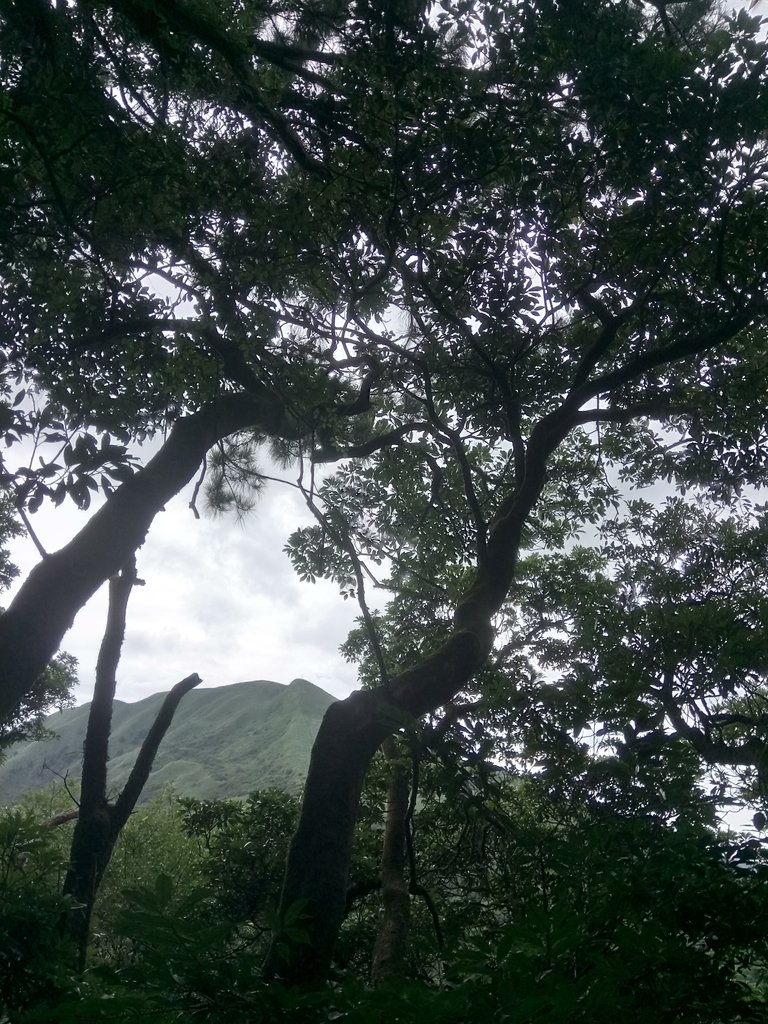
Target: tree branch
610	326
750	753
184	21
62	818
31	531
32	627
96	746
145	759
362	402
690	345
614	414
131	328
329	453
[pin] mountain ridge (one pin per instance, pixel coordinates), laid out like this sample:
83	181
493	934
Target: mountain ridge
224	741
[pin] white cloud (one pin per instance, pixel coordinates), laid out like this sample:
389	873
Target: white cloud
220	599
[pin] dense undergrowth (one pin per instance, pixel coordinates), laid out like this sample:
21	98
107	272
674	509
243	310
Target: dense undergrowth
545	912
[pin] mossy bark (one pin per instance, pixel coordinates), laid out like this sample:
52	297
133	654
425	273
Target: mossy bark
392	938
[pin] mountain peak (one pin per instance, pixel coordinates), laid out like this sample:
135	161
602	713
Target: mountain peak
224	741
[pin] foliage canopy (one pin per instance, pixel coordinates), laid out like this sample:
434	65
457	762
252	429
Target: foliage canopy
501	262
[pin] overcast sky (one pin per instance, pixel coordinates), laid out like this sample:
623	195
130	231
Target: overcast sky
221	599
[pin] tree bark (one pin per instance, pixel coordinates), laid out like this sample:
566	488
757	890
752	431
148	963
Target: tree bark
100	823
145	758
93	786
91	840
352	729
89	855
32	627
389	948
318	858
98	829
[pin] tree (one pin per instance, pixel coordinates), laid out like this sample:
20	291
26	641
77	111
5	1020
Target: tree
54	688
92	89
657	635
556	893
47	602
244	845
100	822
487	248
553	309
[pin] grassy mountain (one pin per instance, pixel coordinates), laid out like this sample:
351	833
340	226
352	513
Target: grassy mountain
223	742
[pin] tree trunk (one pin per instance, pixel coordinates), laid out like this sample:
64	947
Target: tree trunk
390	946
319	855
91	841
98	830
318	859
32	627
89	855
99	823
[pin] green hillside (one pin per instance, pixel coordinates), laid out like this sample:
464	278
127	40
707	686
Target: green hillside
223	742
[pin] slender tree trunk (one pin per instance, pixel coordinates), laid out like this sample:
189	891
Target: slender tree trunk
92	840
93	844
100	823
391	941
90	853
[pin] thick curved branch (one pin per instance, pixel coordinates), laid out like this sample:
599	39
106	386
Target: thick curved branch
134	326
613	414
188	26
32	627
329	453
752	752
232	359
610	325
362	402
683	348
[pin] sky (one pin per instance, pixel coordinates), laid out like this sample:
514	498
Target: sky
220	599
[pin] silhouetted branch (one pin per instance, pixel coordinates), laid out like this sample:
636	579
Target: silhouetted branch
146	756
329	452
